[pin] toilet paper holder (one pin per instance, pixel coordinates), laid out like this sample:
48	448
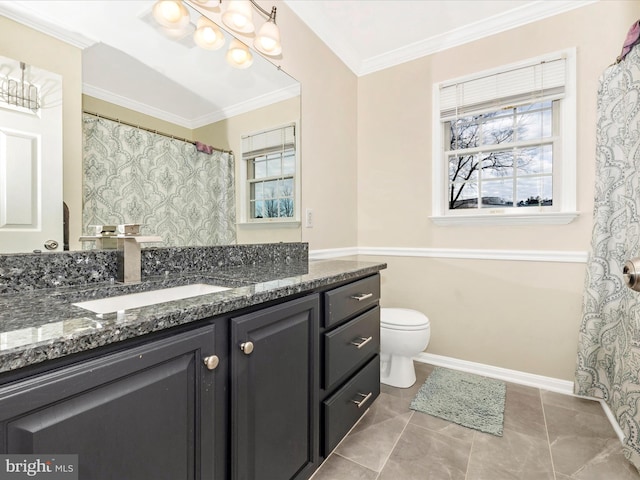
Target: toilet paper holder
631	273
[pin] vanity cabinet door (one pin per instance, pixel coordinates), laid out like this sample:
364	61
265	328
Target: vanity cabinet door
146	413
274	392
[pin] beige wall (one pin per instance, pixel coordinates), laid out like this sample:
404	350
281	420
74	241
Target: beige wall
328	135
24	44
513	314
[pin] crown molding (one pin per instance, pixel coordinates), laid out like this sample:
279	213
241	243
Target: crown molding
468	33
31	18
514	18
140	107
244	107
249	105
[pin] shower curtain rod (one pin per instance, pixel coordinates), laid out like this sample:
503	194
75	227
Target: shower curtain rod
122	122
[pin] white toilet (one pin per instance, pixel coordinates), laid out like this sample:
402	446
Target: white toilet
403	334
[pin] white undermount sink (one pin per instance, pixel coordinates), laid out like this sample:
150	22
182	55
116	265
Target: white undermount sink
144	299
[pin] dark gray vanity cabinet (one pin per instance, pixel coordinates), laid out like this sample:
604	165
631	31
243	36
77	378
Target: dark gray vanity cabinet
274	392
350	338
145	413
288	382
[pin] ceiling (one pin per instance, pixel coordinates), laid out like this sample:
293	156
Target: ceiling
128	61
370	35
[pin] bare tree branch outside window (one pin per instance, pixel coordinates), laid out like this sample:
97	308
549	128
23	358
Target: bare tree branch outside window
498	160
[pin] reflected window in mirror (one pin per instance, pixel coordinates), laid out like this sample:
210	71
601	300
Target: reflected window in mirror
270	166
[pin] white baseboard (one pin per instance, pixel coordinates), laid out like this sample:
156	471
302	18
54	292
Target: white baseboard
513	376
612	420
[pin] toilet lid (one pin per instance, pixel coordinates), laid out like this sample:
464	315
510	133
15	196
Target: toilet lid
403	319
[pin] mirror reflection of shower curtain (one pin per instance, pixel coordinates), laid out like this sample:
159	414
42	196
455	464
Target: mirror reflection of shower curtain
177	192
608	361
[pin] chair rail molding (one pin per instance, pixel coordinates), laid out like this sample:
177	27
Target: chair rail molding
562	256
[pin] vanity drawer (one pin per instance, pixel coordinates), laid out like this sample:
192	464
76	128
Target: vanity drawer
350	345
343	409
344	302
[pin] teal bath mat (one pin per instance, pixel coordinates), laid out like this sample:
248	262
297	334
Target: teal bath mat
463	398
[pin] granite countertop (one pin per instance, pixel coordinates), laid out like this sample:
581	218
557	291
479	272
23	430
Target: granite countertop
44	324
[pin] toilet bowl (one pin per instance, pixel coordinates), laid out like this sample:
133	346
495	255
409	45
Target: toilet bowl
404	333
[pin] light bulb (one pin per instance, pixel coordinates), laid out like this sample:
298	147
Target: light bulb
170	11
267	44
171	14
267	40
208	35
238	21
239	55
238	16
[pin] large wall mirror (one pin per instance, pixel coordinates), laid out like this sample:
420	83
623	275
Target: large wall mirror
119	67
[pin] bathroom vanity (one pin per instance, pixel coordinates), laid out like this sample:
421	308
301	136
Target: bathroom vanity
260	381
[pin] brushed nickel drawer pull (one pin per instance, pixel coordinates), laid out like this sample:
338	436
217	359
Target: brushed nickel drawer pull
364	400
362	296
363	342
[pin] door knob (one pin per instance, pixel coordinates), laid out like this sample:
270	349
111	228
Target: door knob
50	244
246	347
211	362
631	273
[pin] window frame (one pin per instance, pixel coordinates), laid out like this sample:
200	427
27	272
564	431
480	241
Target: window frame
246	182
564	167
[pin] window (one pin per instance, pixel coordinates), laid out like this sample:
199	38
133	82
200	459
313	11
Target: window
504	144
271	175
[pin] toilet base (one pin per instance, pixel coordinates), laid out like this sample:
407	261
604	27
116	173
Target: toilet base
397	371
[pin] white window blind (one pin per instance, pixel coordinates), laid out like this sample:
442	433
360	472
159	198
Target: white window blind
276	140
543	80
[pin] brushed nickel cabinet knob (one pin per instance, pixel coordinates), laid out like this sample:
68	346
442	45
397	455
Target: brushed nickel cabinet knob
211	362
246	347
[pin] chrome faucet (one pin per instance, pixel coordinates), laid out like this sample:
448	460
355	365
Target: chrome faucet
127	240
129	252
129	263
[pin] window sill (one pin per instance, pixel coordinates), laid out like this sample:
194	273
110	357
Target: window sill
270	224
549	218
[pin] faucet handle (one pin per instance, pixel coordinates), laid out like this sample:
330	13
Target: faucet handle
129	229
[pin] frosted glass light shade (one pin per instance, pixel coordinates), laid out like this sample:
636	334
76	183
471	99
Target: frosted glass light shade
239	55
267	40
238	16
171	14
208	35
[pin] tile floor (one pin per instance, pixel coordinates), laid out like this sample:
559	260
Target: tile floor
547	436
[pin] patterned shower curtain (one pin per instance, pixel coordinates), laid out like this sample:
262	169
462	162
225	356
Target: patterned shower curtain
608	364
185	196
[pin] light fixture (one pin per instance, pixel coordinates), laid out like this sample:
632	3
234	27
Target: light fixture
267	40
208	35
171	14
239	55
238	17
